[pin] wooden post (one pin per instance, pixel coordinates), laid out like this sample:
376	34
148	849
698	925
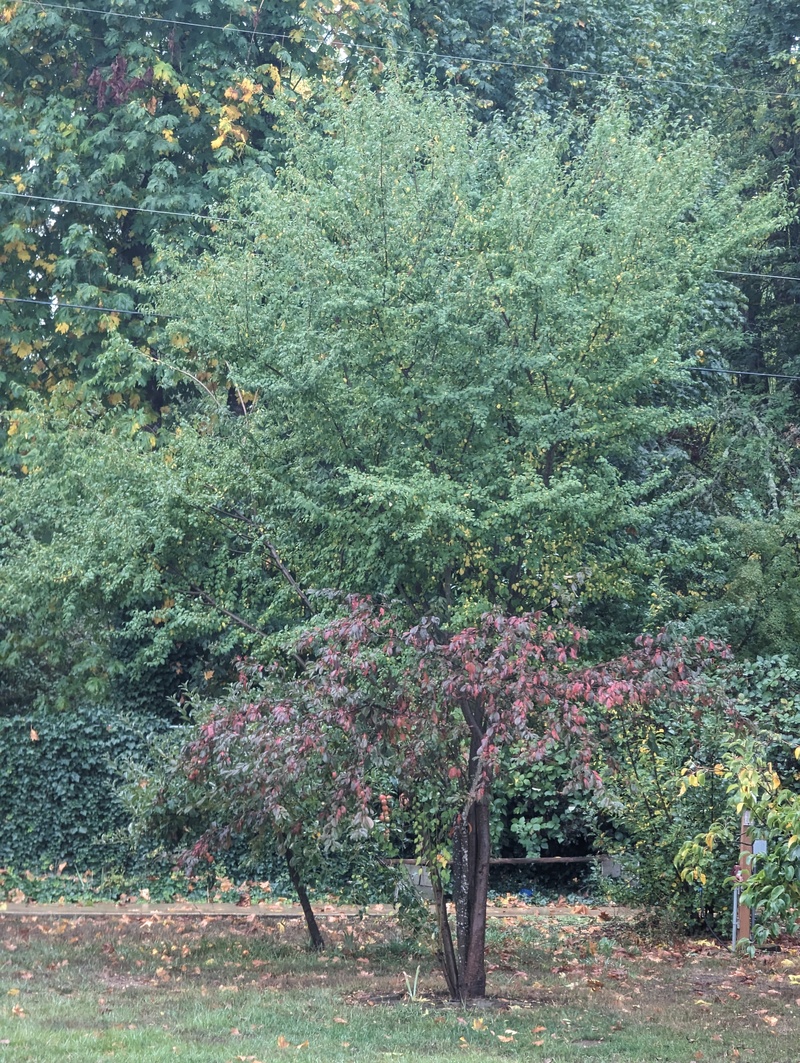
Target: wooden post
745	917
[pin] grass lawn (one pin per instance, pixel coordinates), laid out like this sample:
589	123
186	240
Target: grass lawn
566	986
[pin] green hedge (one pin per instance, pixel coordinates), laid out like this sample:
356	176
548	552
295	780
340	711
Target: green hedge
59	777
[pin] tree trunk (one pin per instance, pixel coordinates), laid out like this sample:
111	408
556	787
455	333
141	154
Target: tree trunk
315	937
470	879
473	974
449	959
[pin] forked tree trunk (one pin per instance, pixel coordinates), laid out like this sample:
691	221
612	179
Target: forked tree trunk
465	965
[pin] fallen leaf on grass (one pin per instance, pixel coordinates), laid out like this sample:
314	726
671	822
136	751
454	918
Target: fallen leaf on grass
505	1040
770	1020
539	1029
340	1020
283	1043
478	1024
18	1011
303	1045
13	993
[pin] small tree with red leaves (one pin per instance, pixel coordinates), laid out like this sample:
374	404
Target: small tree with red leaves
387	725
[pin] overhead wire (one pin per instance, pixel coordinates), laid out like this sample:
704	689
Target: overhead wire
58	200
418	52
54	306
254	32
105	206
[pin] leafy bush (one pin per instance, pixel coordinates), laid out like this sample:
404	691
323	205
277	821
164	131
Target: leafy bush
59	782
676	786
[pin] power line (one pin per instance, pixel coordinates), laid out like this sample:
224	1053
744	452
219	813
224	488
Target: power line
370	48
154	18
207	217
741	372
169	317
107	206
55	306
761	276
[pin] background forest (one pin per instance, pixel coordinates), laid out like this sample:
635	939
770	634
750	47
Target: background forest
465	307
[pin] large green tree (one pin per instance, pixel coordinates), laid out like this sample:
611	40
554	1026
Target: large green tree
445	363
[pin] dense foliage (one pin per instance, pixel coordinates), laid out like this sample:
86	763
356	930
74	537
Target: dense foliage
445	363
278	319
59	787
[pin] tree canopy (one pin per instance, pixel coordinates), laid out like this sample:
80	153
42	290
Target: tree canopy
441	362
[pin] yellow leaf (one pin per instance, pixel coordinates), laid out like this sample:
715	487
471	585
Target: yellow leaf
217	142
62	327
34	735
114	399
13	993
478	1024
209	674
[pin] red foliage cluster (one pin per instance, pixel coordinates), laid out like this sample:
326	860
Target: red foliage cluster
410	727
116	88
